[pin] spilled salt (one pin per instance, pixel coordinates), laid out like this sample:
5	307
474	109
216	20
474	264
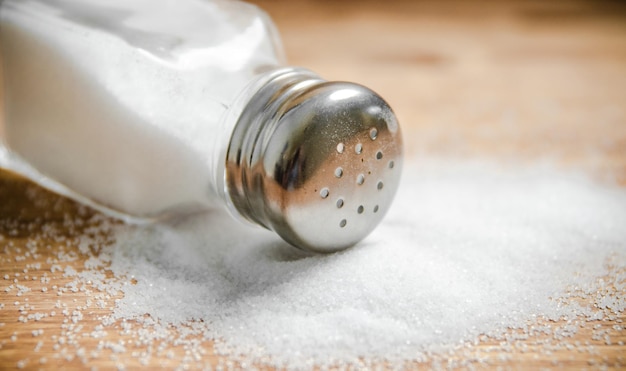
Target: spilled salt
467	250
470	252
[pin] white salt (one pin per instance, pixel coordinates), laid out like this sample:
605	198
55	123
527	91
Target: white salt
470	252
468	249
136	75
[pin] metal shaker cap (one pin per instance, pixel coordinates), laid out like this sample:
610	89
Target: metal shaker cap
317	162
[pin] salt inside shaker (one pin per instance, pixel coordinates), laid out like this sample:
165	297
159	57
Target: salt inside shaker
149	109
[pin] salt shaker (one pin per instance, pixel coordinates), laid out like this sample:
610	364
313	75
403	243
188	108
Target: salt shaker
147	109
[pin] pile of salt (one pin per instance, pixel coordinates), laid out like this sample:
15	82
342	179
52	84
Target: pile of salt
470	249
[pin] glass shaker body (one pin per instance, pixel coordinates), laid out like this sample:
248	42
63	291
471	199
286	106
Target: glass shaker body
146	109
123	102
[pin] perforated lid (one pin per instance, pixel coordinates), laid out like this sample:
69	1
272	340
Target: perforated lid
324	169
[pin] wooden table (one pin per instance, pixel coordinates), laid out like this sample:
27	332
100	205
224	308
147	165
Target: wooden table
519	80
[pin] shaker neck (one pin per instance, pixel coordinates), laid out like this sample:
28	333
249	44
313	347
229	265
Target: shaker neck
251	114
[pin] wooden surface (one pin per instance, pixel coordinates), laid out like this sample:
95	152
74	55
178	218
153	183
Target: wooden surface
521	81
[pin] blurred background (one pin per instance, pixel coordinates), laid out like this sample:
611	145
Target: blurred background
522	80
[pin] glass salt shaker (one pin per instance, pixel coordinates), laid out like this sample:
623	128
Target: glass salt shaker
147	109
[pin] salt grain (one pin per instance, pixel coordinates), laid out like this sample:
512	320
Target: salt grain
468	249
469	253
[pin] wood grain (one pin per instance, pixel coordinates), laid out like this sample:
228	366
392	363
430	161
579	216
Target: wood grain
519	81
